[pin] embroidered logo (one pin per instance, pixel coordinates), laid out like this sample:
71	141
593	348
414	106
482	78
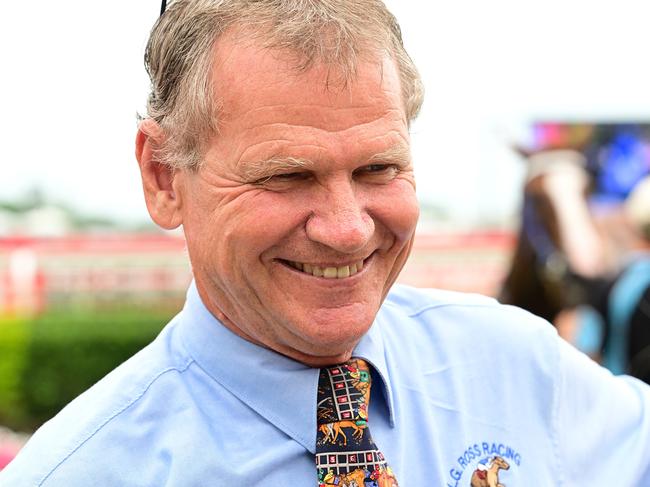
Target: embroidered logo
487	474
487	462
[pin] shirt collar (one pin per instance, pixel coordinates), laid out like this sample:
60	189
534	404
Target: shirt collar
264	379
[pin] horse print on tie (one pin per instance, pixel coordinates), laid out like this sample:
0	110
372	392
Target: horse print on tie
346	455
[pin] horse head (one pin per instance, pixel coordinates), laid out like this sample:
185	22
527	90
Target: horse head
500	463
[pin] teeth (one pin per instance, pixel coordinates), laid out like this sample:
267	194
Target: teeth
329	272
343	272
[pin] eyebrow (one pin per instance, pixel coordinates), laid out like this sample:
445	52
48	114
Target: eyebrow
267	168
399	154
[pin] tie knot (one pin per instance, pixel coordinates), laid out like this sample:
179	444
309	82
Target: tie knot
344	392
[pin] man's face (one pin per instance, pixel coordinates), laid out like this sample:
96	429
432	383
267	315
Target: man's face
304	211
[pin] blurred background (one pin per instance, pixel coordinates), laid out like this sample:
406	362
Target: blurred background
531	153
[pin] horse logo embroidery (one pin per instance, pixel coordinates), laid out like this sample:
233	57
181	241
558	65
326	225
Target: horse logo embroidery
488	475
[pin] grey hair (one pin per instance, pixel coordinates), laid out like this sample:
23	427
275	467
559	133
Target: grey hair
179	59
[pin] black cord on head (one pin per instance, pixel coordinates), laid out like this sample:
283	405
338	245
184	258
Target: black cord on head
163	7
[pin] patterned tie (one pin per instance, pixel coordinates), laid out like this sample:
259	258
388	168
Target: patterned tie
346	456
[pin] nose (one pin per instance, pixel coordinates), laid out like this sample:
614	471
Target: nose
340	219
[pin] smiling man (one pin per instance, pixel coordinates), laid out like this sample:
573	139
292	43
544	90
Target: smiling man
309	193
277	135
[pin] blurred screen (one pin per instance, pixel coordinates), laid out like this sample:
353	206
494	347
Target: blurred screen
618	154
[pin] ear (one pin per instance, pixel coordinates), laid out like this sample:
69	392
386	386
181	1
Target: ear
158	180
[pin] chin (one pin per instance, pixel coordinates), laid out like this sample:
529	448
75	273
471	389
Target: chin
339	330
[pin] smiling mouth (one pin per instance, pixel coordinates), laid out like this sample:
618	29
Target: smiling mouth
327	272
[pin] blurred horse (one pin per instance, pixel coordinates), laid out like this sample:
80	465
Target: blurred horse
558	238
585	274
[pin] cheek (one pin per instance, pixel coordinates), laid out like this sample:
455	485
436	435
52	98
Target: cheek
398	210
259	223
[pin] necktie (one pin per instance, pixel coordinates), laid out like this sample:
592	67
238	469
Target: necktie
346	456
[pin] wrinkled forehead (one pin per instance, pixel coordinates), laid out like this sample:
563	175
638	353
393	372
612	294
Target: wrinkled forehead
245	69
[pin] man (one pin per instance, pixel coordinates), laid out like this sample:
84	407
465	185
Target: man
278	137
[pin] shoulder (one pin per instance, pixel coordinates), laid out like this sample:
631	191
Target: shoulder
466	352
86	426
417	300
456	324
435	307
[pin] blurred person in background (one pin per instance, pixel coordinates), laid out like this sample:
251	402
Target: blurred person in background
577	268
615	325
278	137
638	213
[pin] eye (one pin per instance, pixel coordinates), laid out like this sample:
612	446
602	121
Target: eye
382	171
378	167
282	180
290	176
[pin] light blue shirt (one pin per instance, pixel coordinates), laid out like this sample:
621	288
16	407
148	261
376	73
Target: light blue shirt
459	379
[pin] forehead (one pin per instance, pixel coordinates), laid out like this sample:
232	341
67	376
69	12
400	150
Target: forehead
251	81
